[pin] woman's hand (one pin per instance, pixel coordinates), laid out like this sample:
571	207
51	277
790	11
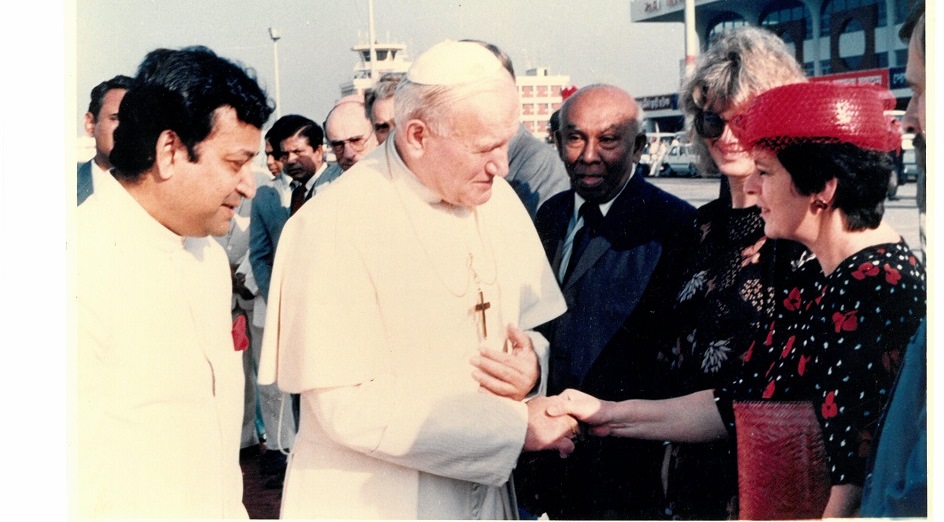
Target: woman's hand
587	409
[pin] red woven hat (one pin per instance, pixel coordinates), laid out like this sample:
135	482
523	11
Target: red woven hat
820	112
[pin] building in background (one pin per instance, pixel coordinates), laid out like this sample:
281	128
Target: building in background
540	91
391	57
540	94
851	41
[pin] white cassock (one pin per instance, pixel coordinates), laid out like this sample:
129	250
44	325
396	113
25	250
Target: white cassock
159	401
373	320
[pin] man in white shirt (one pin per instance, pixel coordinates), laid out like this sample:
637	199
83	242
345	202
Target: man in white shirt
100	122
159	397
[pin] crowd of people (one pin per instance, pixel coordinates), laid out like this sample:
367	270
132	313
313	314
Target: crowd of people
456	320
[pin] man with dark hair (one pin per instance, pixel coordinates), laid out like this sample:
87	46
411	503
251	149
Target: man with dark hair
299	142
100	123
897	481
378	104
271	209
160	387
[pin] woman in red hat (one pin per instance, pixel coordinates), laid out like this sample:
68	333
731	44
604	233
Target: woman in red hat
814	382
734	277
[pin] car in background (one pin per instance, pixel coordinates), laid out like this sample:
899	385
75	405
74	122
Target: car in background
906	168
680	161
909	171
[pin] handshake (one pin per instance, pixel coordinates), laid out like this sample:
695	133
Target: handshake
553	422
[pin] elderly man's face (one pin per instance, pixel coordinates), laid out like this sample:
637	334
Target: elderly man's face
465	164
381	117
350	134
598	137
208	190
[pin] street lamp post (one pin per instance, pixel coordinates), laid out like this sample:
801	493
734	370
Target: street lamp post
274	34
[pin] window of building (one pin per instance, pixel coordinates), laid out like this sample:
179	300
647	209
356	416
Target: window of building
723	23
527	91
838	6
787	11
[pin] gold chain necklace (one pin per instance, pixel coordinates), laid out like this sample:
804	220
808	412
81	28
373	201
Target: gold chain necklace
481	304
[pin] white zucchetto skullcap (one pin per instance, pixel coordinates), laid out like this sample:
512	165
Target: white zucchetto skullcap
454	63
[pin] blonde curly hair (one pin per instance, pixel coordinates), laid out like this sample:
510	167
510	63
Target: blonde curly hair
737	66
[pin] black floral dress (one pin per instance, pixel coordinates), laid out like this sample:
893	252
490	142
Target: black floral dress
729	295
837	343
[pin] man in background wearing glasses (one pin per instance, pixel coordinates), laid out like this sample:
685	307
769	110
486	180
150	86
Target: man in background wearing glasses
350	134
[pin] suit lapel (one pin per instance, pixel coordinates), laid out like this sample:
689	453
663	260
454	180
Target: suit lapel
84	185
615	231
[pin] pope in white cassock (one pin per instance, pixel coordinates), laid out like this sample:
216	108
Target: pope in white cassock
401	306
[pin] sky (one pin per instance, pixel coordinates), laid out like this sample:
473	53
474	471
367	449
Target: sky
590	40
52	52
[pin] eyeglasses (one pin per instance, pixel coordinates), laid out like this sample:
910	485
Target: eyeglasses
357	144
709	124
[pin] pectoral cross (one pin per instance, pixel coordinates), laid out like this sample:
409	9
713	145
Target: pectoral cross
481	307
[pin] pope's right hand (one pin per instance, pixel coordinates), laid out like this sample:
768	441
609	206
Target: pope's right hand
549	433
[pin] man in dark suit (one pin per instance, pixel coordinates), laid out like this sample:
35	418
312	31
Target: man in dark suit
299	143
619	246
100	122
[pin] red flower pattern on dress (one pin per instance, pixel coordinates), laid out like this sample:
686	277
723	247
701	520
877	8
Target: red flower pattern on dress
892	275
792	302
846	322
770	334
801	368
830	408
788	346
891	360
818	298
746	357
912	260
865	270
769	391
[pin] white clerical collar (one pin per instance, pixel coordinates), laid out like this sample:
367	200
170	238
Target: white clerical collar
604	207
396	164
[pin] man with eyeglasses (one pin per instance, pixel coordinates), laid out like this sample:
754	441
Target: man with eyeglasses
350	134
378	104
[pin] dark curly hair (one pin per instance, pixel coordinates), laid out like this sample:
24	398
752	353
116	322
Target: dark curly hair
862	178
180	90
